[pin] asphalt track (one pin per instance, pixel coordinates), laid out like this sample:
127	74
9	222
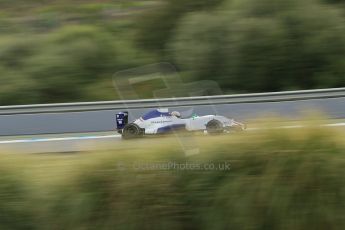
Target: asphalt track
104	120
72	143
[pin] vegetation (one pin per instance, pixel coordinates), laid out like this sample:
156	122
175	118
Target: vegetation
265	46
63	51
278	179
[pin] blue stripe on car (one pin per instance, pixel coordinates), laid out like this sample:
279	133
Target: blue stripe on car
154	114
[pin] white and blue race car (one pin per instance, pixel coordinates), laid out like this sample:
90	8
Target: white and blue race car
161	121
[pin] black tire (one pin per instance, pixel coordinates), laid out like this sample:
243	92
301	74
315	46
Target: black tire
131	131
214	127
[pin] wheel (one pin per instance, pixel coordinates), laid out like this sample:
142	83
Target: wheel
214	127
131	131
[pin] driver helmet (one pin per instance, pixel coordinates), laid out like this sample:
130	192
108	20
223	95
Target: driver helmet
176	114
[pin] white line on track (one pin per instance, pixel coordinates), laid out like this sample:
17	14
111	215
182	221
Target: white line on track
55	139
35	140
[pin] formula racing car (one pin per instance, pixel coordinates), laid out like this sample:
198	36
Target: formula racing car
161	121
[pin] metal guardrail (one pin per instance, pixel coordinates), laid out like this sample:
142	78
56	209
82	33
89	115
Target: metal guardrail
171	102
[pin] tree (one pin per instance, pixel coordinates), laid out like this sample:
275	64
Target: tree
157	27
70	59
264	46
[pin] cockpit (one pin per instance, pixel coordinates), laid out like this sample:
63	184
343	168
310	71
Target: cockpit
160	113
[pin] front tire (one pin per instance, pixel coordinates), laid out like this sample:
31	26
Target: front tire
131	131
214	127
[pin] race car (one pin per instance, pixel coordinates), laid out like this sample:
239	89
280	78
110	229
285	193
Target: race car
161	121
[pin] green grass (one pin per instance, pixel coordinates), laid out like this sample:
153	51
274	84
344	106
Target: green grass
278	179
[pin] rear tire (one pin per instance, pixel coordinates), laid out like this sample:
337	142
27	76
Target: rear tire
214	127
131	131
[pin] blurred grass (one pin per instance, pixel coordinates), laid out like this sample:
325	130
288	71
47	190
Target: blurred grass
279	179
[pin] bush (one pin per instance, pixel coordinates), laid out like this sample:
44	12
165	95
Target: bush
280	179
15	197
264	46
157	26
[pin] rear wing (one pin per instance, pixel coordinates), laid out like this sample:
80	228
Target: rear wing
121	120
